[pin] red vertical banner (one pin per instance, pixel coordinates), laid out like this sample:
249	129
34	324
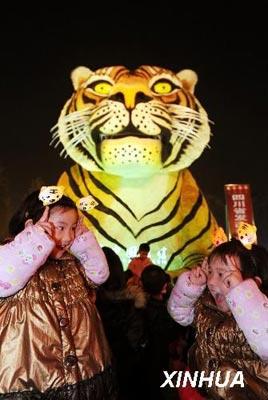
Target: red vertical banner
238	207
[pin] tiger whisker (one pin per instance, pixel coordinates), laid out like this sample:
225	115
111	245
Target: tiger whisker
185	132
55	145
74	116
54	138
68	127
74	141
62	152
185	112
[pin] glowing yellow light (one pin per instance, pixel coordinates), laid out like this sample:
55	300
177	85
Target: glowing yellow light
162	87
103	88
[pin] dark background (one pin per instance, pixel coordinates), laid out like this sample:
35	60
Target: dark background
226	47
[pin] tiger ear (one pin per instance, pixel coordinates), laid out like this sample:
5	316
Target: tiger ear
188	78
80	75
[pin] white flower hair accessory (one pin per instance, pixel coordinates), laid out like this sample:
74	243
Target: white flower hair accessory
50	194
86	203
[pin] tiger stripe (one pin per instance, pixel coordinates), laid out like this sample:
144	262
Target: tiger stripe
115	223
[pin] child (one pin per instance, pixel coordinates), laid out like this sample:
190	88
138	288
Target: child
224	299
137	264
52	341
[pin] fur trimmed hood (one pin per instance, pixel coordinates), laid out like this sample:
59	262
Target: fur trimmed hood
131	292
136	293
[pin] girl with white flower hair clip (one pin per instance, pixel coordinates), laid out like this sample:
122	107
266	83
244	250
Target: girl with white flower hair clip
226	301
53	344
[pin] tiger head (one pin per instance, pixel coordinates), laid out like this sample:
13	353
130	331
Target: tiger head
86	203
133	123
247	234
50	194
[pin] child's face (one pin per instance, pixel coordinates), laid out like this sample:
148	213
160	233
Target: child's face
143	254
64	221
218	271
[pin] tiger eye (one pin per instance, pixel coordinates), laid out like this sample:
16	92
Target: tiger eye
162	87
103	88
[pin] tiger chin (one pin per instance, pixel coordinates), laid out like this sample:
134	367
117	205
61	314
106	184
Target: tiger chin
132	135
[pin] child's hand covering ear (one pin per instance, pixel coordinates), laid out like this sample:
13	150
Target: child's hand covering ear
43	223
232	278
80	227
198	277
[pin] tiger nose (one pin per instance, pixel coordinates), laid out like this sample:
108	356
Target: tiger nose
131	99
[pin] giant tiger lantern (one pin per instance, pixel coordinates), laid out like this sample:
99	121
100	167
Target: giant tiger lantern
132	135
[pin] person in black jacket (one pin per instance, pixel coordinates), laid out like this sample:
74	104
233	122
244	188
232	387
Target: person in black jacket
161	331
121	312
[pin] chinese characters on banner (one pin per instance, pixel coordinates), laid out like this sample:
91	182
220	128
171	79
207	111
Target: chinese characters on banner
238	207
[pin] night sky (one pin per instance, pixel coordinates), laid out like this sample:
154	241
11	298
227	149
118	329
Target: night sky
227	50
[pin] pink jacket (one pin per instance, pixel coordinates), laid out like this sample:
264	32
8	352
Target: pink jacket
247	303
22	257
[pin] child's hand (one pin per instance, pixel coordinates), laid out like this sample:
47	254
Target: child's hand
80	227
43	223
232	278
204	266
198	276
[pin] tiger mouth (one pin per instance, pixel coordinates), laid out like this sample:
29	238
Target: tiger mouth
163	137
103	136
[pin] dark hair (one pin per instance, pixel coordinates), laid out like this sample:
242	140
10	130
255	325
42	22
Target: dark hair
144	247
32	208
128	274
153	279
253	262
116	280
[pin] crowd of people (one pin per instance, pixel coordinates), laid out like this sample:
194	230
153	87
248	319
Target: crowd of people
74	325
